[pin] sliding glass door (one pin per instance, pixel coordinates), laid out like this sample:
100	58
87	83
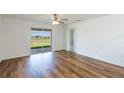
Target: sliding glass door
41	41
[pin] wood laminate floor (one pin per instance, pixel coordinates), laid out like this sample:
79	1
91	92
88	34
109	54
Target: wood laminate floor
58	64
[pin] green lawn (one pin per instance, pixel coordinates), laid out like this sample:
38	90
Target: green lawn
40	42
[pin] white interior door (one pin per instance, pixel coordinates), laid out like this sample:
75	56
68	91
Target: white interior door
72	40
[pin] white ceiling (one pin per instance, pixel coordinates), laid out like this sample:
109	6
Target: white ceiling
45	18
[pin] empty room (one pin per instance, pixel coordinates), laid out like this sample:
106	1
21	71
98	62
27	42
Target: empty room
61	45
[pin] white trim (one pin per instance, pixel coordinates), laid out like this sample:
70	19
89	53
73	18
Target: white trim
74	50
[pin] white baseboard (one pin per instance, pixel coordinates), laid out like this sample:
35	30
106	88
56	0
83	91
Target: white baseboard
12	57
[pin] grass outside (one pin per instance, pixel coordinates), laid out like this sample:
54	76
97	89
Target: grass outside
40	42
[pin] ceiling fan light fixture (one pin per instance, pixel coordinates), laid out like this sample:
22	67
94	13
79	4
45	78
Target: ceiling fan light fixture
55	22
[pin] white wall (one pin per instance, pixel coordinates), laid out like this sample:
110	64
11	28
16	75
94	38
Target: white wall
0	40
101	38
17	32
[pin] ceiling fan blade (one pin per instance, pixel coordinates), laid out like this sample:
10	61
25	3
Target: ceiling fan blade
64	19
61	22
52	17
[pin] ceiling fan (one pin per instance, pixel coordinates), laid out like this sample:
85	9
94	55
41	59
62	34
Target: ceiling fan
57	20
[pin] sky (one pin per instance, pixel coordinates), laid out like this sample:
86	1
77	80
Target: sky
41	33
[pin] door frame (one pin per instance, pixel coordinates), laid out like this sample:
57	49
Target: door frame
72	29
